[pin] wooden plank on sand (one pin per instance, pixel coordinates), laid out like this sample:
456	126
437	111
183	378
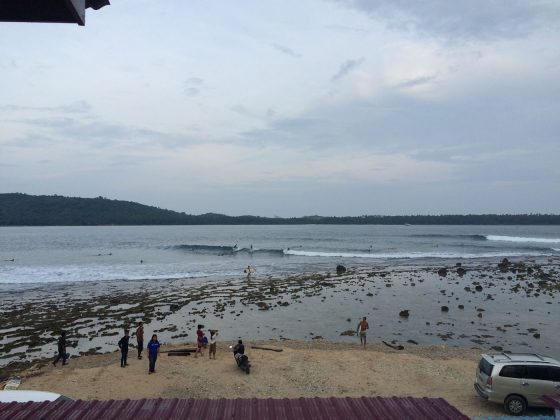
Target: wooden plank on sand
276	349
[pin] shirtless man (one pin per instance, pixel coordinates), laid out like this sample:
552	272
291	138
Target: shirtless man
362	327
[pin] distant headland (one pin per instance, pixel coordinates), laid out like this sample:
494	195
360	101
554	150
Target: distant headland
17	209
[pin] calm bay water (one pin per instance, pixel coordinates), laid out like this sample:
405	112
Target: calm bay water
76	254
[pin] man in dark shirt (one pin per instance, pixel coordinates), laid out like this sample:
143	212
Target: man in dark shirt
239	348
123	345
61	349
140	339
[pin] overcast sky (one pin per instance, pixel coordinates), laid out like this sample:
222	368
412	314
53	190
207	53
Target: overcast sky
289	108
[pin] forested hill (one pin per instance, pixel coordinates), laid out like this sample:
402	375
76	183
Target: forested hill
54	210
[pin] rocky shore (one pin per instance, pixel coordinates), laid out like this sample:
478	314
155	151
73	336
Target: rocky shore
500	305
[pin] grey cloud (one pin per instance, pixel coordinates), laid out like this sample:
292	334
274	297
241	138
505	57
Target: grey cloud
496	119
244	111
78	107
472	19
346	68
241	110
415	82
286	50
28	141
345	28
99	133
193	86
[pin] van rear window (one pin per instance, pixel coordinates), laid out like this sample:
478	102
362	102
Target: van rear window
486	367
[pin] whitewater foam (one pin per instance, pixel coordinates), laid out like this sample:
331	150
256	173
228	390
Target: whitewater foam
522	239
409	255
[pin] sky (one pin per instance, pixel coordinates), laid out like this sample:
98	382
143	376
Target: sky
289	108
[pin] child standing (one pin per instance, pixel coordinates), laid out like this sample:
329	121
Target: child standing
199	340
123	345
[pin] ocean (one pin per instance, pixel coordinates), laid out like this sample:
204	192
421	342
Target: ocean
94	281
34	255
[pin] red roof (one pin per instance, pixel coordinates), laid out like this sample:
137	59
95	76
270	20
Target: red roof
552	401
242	409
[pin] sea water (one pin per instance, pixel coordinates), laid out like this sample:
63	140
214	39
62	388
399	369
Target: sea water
34	255
50	273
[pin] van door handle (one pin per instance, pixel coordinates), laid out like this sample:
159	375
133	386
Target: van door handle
525	383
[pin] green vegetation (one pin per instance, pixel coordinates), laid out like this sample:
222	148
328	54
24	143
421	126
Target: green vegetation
54	210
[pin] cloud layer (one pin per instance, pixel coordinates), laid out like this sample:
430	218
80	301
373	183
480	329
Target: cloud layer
329	107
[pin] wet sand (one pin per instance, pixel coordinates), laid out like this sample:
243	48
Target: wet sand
315	368
490	305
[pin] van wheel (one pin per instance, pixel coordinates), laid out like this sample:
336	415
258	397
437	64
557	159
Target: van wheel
515	405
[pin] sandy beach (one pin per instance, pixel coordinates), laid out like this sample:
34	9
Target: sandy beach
510	308
315	368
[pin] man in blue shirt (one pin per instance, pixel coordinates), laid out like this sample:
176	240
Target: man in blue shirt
153	351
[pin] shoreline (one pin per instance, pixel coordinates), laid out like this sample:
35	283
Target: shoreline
487	306
313	368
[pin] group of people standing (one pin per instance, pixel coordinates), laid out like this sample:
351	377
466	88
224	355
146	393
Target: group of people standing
202	342
152	347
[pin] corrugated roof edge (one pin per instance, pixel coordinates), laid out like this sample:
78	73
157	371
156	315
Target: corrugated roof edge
373	408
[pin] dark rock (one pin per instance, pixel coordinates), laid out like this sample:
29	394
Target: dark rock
461	271
350	333
411	342
537	335
340	269
478	288
263	306
442	272
480	315
461	306
497	348
404	313
504	265
458	264
444	309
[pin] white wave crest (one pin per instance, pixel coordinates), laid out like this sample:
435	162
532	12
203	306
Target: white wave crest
522	239
409	255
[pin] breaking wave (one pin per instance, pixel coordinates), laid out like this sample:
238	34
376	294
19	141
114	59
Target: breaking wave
221	249
522	239
410	255
440	235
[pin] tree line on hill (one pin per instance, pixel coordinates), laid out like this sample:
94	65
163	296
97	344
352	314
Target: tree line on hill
17	209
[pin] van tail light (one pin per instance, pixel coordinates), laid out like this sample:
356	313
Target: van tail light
489	382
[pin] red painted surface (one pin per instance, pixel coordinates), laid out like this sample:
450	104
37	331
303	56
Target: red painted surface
237	409
552	401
